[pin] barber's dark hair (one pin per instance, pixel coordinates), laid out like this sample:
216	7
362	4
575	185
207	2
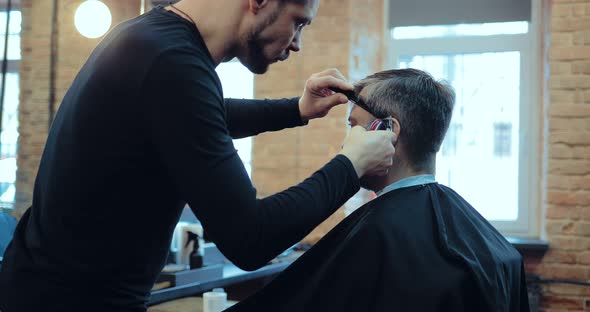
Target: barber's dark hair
422	105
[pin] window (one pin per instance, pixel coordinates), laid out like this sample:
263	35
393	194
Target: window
502	139
486	154
238	82
9	131
449	147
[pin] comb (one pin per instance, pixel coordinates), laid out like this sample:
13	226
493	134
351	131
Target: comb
356	100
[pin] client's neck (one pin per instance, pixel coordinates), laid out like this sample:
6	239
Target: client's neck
402	174
402	170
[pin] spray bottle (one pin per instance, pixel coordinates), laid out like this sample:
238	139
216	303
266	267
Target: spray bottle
196	256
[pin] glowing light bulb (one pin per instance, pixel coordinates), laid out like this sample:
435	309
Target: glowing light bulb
93	19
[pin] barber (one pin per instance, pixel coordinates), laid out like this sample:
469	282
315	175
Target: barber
144	129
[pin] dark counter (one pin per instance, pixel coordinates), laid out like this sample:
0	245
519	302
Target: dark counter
231	275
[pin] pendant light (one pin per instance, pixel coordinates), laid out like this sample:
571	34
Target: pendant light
93	19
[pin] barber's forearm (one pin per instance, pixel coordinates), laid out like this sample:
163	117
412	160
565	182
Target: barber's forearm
250	117
261	232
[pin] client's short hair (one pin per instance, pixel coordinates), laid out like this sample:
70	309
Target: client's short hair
422	105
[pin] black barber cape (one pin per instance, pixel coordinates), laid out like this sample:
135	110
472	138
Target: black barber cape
420	248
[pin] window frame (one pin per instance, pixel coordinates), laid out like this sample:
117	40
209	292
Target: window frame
15	5
13	67
530	152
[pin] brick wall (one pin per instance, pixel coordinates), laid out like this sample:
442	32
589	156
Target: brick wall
33	111
36	48
335	40
568	173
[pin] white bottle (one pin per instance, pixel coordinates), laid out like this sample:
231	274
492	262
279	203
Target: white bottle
214	301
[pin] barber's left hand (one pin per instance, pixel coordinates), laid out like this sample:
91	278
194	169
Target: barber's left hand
317	99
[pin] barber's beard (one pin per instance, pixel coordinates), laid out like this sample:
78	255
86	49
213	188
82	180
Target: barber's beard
255	60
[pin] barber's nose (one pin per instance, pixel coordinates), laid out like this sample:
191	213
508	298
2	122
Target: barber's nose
296	43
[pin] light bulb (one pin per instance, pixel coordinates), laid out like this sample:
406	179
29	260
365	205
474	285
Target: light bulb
93	19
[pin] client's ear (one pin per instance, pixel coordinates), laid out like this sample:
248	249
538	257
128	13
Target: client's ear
396	127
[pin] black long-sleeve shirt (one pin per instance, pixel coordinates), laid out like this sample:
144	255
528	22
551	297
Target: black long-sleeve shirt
143	130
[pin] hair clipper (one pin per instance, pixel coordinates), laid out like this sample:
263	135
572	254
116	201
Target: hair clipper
381	124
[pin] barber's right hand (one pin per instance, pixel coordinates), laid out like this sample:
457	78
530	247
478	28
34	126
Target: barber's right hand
371	152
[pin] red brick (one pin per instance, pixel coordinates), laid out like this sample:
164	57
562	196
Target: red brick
569	183
567	303
564	124
570	109
562	151
582	229
569	25
578	39
567	290
579	10
569	82
584	258
556	227
577	167
567	271
560	68
274	162
569	1
271	181
569	243
562	96
562	10
558	212
561	257
569	137
582	67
